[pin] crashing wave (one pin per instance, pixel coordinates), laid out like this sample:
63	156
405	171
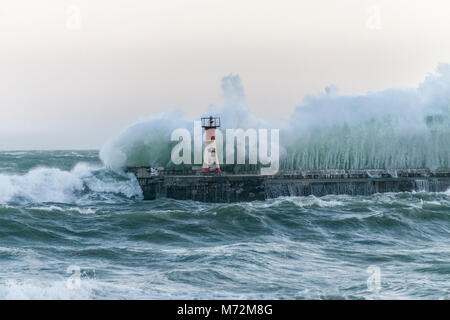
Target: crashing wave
393	128
84	183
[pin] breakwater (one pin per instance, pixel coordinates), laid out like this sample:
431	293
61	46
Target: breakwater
229	187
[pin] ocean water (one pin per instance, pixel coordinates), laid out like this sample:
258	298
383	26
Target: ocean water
71	229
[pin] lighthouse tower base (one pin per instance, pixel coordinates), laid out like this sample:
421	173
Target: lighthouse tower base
209	170
210	158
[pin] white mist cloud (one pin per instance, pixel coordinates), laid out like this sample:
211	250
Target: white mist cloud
392	128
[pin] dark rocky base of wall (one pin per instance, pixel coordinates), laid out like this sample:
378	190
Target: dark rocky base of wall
249	187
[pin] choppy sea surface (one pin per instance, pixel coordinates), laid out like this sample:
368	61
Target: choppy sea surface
71	229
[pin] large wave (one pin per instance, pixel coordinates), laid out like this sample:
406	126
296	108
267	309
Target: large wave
82	185
393	128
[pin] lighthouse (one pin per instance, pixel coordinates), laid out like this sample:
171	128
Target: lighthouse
210	158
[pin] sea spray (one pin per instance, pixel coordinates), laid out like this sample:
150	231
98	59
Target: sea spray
148	142
393	128
144	143
83	184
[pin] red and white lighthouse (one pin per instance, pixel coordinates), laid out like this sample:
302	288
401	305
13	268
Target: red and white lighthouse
210	158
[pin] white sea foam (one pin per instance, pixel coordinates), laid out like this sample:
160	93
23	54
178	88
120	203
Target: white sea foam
57	208
315	201
301	202
54	290
43	184
87	288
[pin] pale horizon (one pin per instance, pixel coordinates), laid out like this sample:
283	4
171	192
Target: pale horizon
70	82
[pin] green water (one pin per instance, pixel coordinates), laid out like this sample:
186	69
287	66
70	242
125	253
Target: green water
61	211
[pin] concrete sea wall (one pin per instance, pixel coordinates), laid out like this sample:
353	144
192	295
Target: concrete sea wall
248	187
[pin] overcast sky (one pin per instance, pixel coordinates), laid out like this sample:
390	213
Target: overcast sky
73	73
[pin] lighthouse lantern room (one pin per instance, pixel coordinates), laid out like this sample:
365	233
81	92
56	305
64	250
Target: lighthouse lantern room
210	158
